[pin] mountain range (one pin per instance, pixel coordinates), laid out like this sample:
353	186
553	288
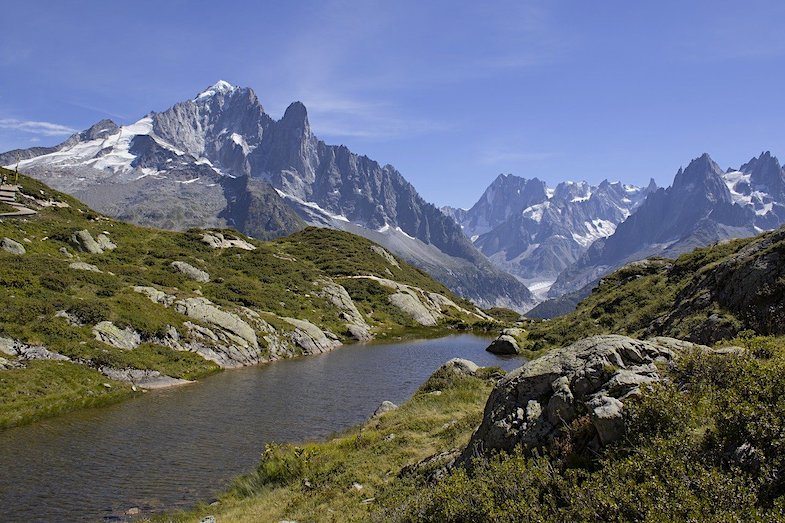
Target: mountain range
535	232
220	160
704	205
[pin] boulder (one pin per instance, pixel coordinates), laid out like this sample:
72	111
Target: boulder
85	242
107	332
202	309
12	247
310	338
593	377
104	242
217	240
336	294
384	407
460	366
412	306
155	295
504	344
82	266
191	271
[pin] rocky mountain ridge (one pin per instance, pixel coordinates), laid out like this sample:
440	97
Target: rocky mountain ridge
703	205
192	165
535	232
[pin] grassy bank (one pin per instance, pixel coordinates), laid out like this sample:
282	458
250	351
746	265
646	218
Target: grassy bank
316	481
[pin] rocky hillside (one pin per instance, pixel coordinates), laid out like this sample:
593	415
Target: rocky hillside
220	160
704	205
710	294
94	307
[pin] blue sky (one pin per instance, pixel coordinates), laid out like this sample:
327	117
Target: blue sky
450	93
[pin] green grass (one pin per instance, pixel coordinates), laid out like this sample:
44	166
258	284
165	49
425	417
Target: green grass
48	388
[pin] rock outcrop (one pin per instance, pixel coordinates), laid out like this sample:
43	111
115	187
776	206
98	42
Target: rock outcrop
202	309
29	352
85	242
218	240
310	338
109	333
146	379
383	408
83	266
191	271
336	294
506	343
12	246
591	378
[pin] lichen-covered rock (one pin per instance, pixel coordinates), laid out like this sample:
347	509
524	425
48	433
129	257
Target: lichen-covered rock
104	242
412	306
109	333
592	377
386	406
191	271
202	309
156	295
310	338
83	266
85	242
12	246
217	240
336	294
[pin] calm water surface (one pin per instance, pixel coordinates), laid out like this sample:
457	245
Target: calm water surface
171	448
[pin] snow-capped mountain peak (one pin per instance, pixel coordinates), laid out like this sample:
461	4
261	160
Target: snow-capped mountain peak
219	87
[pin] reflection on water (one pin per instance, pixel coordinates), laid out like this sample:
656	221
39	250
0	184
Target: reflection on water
171	448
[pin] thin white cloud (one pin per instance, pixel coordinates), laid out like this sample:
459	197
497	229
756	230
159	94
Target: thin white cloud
500	156
34	127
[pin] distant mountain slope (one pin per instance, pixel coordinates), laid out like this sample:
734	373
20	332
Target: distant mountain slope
535	232
704	205
177	169
706	295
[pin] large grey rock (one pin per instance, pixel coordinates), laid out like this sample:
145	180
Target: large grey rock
109	333
29	352
191	271
144	378
310	338
460	366
202	309
389	258
218	240
85	242
155	295
385	407
104	242
336	294
409	304
592	377
504	344
12	247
